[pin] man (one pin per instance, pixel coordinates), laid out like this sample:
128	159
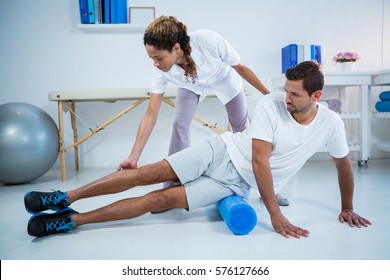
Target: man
283	135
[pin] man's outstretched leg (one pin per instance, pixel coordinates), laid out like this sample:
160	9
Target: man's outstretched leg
66	219
159	200
114	183
43	224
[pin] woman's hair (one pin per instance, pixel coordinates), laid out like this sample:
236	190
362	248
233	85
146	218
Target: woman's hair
310	72
163	33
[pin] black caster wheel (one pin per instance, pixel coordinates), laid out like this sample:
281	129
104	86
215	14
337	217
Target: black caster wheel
362	163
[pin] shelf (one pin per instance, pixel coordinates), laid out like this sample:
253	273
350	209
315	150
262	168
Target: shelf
123	27
350	115
354	147
382	115
351	147
384	147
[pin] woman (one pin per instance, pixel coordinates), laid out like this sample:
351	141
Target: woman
196	64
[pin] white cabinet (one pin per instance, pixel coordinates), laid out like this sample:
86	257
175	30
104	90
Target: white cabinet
382	78
383	146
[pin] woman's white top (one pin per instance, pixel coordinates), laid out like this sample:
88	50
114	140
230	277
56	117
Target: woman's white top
213	57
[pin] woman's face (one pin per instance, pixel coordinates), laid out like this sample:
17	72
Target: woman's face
162	59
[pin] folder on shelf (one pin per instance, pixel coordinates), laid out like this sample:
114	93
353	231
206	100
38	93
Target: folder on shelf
113	11
84	16
106	11
317	53
294	54
289	57
305	53
91	11
98	11
121	11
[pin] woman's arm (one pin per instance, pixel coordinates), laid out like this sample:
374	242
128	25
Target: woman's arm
248	75
145	128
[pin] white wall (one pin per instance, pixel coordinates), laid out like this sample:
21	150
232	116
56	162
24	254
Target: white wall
41	49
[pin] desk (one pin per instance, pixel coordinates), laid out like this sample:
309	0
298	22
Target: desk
67	102
363	80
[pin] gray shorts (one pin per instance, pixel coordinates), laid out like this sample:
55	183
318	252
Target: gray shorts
207	173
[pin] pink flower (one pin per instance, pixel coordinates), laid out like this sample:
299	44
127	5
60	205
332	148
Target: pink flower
346	57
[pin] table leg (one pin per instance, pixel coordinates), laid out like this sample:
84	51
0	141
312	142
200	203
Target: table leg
75	135
61	140
365	124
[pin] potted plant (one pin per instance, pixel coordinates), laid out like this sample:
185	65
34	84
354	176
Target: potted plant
347	60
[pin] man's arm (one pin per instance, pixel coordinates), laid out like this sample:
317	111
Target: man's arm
346	184
261	151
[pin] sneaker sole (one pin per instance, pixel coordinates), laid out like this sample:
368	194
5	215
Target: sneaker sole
43	214
31	212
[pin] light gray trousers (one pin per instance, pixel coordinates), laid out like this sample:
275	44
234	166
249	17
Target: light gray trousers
186	105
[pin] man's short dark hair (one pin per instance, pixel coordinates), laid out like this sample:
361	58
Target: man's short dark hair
310	72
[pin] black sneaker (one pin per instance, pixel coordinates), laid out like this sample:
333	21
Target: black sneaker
43	224
36	202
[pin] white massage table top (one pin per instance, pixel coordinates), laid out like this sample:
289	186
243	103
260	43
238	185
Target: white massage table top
104	94
110	95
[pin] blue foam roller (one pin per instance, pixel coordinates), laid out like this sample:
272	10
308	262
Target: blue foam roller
384	96
383	106
238	215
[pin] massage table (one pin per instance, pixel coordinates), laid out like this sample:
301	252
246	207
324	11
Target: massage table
67	102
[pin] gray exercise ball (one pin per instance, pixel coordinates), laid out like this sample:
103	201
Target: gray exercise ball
28	142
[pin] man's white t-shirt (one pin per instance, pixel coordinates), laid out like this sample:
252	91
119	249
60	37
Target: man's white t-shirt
213	57
292	143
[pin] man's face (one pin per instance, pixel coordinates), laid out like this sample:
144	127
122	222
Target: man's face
297	99
162	59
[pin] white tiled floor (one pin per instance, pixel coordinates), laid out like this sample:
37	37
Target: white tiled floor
177	234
